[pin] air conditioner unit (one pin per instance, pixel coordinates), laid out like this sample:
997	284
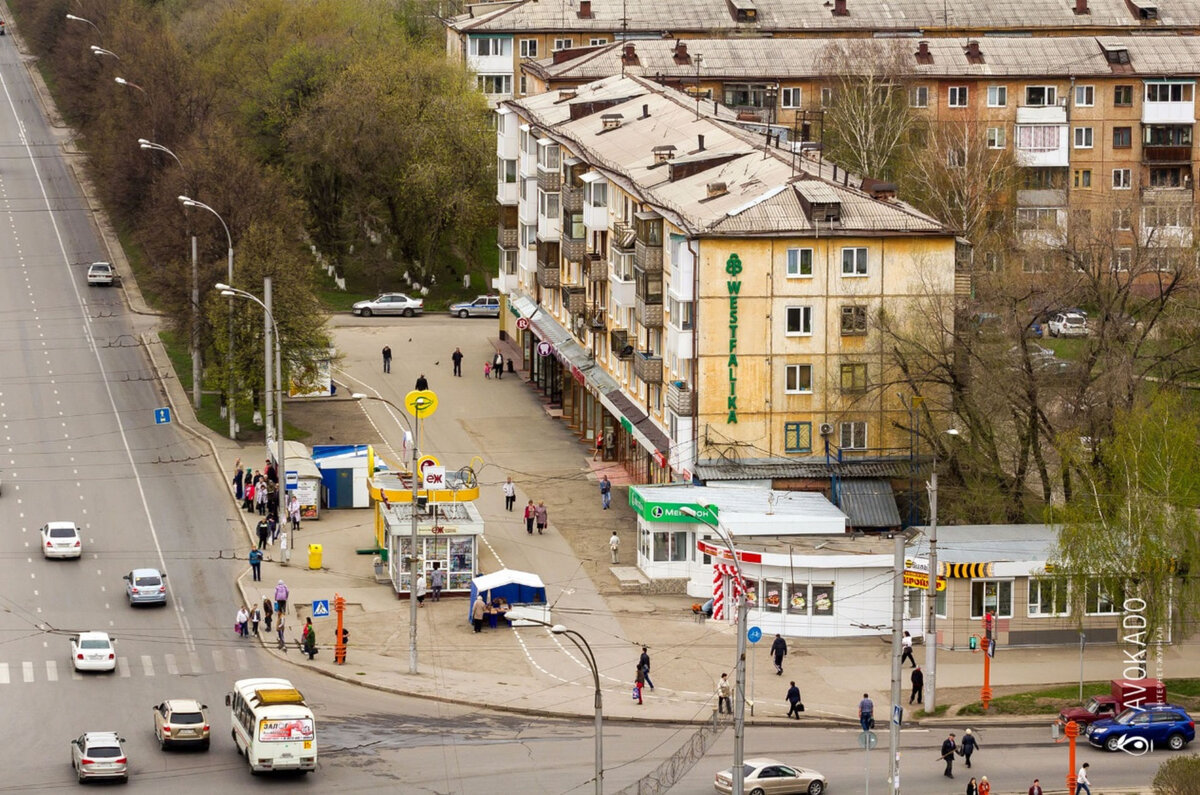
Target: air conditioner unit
826	428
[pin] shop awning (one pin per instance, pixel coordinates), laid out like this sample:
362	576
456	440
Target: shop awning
635	422
869	503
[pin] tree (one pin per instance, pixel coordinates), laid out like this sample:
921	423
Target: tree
1179	775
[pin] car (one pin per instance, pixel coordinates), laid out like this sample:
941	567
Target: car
764	776
483	306
61	540
93	651
1138	729
181	721
390	304
1068	324
99	755
101	273
146	587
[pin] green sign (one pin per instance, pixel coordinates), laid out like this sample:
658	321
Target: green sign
671	511
627	425
733	266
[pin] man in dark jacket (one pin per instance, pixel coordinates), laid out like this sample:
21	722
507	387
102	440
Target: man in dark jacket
948	749
793	699
918	686
779	651
969	746
264	533
422	384
644	664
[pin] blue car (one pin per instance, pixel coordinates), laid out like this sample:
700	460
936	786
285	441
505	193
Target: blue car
1137	729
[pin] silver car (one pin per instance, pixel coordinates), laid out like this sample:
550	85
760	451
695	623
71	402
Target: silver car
146	587
390	304
483	306
99	755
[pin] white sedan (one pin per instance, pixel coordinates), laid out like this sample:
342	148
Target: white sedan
93	651
61	540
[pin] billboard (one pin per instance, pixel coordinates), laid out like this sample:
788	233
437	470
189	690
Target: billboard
272	730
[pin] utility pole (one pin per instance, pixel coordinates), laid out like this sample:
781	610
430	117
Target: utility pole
739	703
197	373
269	385
897	668
931	600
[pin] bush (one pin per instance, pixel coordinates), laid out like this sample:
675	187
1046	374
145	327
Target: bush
1178	776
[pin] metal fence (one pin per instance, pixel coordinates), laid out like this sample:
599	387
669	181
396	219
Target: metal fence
668	774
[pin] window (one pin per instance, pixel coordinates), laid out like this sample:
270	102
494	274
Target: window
797	437
1080	220
799	321
1083	178
1122	259
1167	135
682	313
1037	137
1085	96
1122	179
597	42
1168	92
991	596
772	603
597	194
524	85
853	435
1047	597
1037	218
1167	215
671	546
1083	137
1041	96
564	44
491	45
854	378
529	48
958	96
956	157
791	98
918	97
1122	137
548	205
996	137
529	235
1042	179
1036	262
622	264
798	379
1167	177
748	95
507	171
854	321
1123	96
854	261
1099	602
1121	219
494	84
826	97
997	96
799	263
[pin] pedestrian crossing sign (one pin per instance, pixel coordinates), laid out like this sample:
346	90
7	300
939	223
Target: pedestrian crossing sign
320	608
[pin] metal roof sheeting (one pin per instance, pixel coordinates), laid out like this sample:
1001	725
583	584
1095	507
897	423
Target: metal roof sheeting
870	503
793	469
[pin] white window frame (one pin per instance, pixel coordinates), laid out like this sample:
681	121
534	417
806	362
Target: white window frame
1049	96
546	204
795	267
1122	179
529	48
997	96
791	375
563	44
1085	96
805	317
486	82
957	96
997	138
996	582
1186	92
859	263
1122	260
496	46
857	438
792	97
918	97
597	42
1085	137
1036	590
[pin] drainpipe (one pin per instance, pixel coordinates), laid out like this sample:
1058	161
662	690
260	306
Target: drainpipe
695	370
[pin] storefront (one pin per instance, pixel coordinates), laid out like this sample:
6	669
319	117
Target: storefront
447	534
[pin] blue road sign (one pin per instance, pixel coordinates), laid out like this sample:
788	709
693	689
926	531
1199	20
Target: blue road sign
162	416
897	714
991	649
320	608
291	480
754	635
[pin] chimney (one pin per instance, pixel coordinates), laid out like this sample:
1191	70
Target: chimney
645	112
681	53
585	9
839	8
716	189
1081	7
700	142
974	54
924	56
610	121
629	55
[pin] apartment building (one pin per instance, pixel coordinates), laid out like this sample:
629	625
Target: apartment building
693	294
495	38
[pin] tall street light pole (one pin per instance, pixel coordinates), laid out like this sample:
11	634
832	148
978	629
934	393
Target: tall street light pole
931	590
229	280
74	18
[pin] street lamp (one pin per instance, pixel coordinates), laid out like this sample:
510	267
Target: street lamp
123	82
74	18
739	707
229	277
931	589
101	51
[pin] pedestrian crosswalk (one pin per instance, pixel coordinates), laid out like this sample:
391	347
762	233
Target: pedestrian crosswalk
193	663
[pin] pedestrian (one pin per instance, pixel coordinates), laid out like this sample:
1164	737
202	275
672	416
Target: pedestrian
510	494
387	358
906	643
969	746
269	467
260	498
422	384
262	530
268	613
779	651
1081	781
530	513
723	692
639	682
614	543
866	713
279	632
918	686
793	700
272	528
984	787
949	746
256	557
293	509
605	492
238	476
487	369
599	445
273	498
310	639
972	788
644	664
248	495
457	358
240	622
542	516
281	597
478	610
437	581
421	589
498	365
1036	789
255	618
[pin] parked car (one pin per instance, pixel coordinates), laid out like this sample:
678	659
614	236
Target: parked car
1122	692
770	777
61	540
181	721
93	651
390	304
146	587
483	306
1068	324
1139	729
101	274
99	755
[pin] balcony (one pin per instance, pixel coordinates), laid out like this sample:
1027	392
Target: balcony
623	292
548	181
623	236
618	343
548	274
597	319
1045	197
574	298
647	257
649	315
1166	154
596	267
680	398
573	249
572	198
1042	114
647	367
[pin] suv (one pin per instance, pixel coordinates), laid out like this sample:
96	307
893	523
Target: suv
1137	729
100	273
483	306
181	721
1068	324
99	755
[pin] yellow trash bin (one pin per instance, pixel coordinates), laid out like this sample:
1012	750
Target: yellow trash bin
314	556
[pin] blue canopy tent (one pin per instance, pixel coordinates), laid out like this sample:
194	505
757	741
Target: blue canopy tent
521	589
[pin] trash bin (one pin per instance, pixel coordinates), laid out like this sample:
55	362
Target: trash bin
314	556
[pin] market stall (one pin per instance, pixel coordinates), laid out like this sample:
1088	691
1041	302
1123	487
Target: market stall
447	534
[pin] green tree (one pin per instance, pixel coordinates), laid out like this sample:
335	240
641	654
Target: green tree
1179	775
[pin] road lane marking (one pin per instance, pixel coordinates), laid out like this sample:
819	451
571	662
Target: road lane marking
241	658
147	665
218	662
3	673
51	671
27	671
172	668
123	667
194	659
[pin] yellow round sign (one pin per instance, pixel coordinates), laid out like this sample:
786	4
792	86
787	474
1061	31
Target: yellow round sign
421	403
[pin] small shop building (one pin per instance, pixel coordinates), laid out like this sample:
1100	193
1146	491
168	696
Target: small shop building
447	534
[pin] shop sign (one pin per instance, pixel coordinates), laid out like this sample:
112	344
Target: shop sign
670	512
733	267
544	349
660	459
522	323
720	551
627	425
920	579
577	374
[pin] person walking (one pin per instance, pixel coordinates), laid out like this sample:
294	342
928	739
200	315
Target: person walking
510	494
256	557
422	384
599	450
1036	788
614	543
605	492
530	513
437	580
272	528
644	664
906	642
972	787
985	788
866	713
969	745
310	639
457	358
255	619
279	633
293	511
238	476
478	610
268	613
542	516
487	368
918	686
779	651
1081	780
949	746
262	530
639	682
498	365
281	597
240	621
724	690
793	700
387	358
421	589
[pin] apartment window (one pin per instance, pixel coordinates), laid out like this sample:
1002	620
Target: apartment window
597	194
1122	179
854	378
1085	96
524	84
798	379
597	42
682	313
918	97
797	437
1037	218
1083	178
1037	137
991	262
799	263
494	84
1043	179
529	235
1080	220
1083	137
799	321
997	96
1121	219
1122	137
564	44
1168	92
854	261
548	205
1047	597
1167	177
508	261
991	596
1167	135
1155	216
854	321
956	157
996	137
1122	259
826	96
622	265
791	98
1035	262
958	96
1123	96
507	169
1098	601
490	45
529	48
1041	96
853	435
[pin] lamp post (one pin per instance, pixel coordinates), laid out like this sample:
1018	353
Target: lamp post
123	82
229	278
931	592
74	18
101	51
739	707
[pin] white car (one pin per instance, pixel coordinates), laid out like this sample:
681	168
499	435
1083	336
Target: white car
390	304
1068	324
93	651
101	273
99	755
483	306
61	540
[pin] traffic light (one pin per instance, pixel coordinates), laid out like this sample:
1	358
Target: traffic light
989	621
973	642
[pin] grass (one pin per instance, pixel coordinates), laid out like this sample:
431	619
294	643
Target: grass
939	710
1048	701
